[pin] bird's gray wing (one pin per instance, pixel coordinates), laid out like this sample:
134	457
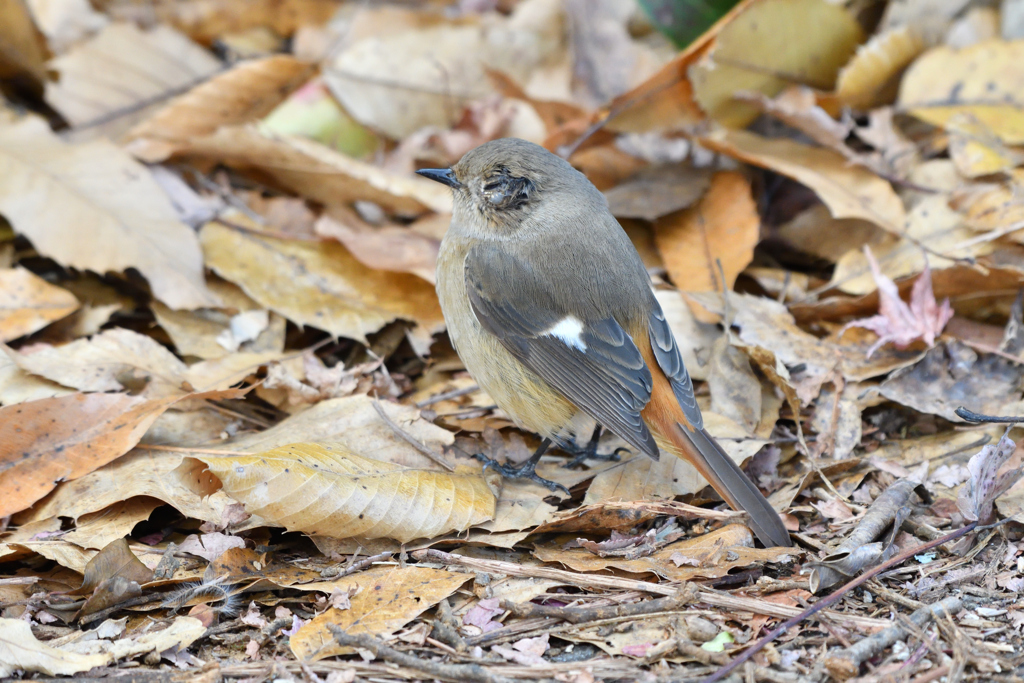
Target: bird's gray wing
666	352
590	360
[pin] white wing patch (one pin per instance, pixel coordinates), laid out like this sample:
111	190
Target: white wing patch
569	331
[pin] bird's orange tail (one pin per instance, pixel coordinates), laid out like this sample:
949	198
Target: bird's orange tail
666	420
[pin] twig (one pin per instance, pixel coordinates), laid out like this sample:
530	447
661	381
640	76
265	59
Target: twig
846	663
834	598
410	439
335	572
455	393
576	615
571	578
450	672
979	418
985	348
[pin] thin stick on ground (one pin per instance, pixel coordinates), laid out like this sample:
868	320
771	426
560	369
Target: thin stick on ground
449	672
410	439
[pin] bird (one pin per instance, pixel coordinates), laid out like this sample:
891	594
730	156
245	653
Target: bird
551	310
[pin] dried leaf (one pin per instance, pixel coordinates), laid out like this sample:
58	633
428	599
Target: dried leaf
92	207
116	559
21	651
327	489
869	79
319	283
385	599
657	191
770	45
985	80
96	81
247	92
724	226
986	484
22	46
388	247
899	323
29	303
848	191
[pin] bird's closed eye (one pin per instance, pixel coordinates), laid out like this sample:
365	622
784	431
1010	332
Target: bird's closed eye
506	191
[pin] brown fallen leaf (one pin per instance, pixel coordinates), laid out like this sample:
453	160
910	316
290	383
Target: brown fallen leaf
319	283
29	303
985	80
330	490
247	92
657	191
848	191
769	45
114	575
393	248
385	599
723	226
870	78
898	322
96	81
22	47
93	207
98	529
57	439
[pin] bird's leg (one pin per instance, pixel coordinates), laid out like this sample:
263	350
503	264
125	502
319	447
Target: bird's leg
527	470
589	452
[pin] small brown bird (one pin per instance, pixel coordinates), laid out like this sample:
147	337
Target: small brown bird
551	309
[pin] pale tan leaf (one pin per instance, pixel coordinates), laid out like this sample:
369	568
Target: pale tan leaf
329	490
18	386
870	78
20	651
385	599
319	173
724	226
848	191
29	303
93	207
387	247
319	283
98	529
249	91
976	150
125	69
772	44
66	22
985	80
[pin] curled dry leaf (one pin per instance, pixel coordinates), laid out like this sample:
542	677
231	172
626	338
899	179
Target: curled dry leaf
29	303
870	78
768	46
985	80
247	92
657	191
327	489
96	81
393	248
724	226
22	46
319	283
986	484
93	207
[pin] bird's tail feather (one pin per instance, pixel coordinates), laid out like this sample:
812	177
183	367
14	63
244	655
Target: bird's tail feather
725	476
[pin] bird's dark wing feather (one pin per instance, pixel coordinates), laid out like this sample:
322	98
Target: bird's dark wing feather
666	352
599	369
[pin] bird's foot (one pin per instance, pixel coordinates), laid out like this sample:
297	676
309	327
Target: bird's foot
528	470
589	452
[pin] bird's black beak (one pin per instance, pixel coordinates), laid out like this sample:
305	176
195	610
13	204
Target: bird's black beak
441	175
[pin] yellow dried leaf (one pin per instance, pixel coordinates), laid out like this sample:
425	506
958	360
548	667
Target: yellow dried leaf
329	490
319	283
985	80
976	150
869	79
849	191
91	206
772	44
385	599
29	303
249	91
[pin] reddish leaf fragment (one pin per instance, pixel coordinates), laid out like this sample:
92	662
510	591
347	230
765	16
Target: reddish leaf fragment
899	323
482	614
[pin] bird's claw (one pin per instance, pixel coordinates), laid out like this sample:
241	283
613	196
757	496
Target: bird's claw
581	455
528	470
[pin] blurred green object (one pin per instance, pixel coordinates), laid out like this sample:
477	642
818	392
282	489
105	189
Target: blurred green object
683	21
